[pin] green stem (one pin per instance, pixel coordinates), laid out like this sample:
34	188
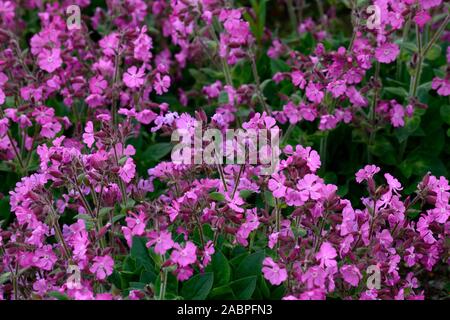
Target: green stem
323	149
258	83
292	16
163	287
421	54
404	39
58	233
236	182
373	113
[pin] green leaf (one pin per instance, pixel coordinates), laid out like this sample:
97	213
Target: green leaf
139	252
244	194
222	293
384	150
411	125
88	221
243	288
198	287
5	277
223	97
104	211
148	277
221	269
58	295
419	164
217	196
278	65
445	113
434	52
118	217
411	46
5	209
157	151
270	200
250	265
397	91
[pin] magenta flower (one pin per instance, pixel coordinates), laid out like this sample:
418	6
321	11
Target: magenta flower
183	273
184	256
136	223
298	79
50	60
102	267
128	171
161	85
97	84
88	135
351	274
366	173
422	18
337	88
442	86
162	241
387	52
385	238
310	187
134	77
273	273
276	185
44	258
313	93
327	255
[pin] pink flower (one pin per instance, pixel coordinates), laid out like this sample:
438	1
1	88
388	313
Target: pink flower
146	116
397	115
134	77
411	257
351	274
102	267
136	223
309	187
273	239
387	52
184	256
44	258
161	85
184	273
2	97
326	255
251	223
208	251
128	171
442	86
235	203
276	185
97	84
50	60
298	79
88	135
313	93
162	241
314	277
337	88
422	18
385	238
427	4
366	173
110	44
273	273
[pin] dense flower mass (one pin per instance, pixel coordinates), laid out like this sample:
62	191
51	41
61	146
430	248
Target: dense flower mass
356	205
